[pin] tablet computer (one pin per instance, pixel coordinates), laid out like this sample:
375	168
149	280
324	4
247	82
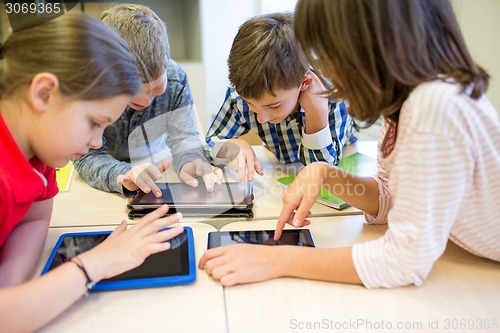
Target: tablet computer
204	212
227	200
299	237
172	267
179	195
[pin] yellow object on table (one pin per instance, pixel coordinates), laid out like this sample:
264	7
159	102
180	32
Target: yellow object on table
64	176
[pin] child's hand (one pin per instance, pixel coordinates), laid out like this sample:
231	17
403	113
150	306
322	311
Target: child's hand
126	249
300	197
143	177
199	168
314	103
241	263
241	158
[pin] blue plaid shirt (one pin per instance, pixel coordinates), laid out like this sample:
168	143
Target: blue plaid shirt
284	139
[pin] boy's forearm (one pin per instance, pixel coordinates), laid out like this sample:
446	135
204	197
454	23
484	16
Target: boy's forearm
190	156
99	170
183	137
225	147
222	151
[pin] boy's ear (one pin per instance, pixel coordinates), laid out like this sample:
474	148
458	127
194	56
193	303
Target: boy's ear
42	87
306	82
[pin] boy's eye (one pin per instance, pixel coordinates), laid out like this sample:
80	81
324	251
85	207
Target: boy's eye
95	124
274	106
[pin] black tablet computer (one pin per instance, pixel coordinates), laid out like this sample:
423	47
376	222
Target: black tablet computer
227	199
172	267
299	237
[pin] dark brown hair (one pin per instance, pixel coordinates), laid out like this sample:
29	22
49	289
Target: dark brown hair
264	56
375	52
90	60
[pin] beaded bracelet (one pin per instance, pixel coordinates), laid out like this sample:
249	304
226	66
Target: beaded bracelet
90	284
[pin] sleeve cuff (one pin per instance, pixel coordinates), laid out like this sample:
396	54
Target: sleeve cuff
318	140
384	201
186	158
121	169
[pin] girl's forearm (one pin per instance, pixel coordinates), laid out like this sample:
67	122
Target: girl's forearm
21	252
33	304
334	265
359	192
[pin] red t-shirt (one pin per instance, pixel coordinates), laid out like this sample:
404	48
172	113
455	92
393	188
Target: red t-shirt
22	182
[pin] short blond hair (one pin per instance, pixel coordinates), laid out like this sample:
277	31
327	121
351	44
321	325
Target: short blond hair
146	35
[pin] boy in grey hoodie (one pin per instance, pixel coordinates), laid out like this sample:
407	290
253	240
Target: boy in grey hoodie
160	123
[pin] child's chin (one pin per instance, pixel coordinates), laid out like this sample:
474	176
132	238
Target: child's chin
59	163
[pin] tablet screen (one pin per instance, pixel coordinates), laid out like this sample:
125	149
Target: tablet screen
299	237
182	195
171	263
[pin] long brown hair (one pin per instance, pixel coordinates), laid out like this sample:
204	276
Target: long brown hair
375	52
90	60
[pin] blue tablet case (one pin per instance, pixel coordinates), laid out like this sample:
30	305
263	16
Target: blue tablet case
182	245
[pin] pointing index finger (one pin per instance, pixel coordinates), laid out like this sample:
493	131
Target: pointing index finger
282	220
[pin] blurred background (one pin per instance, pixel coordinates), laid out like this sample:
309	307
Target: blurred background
201	33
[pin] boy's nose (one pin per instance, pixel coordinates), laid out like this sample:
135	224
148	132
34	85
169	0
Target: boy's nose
160	90
143	101
262	117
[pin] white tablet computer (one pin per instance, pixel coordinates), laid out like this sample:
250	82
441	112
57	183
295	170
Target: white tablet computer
172	267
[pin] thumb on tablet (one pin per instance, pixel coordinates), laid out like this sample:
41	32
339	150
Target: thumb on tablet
120	179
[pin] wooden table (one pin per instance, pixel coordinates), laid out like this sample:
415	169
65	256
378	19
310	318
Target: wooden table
198	307
462	290
83	205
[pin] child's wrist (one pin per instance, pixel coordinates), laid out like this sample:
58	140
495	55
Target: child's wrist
93	266
224	149
90	283
284	263
320	169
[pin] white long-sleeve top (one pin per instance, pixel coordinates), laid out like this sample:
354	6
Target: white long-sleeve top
440	181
